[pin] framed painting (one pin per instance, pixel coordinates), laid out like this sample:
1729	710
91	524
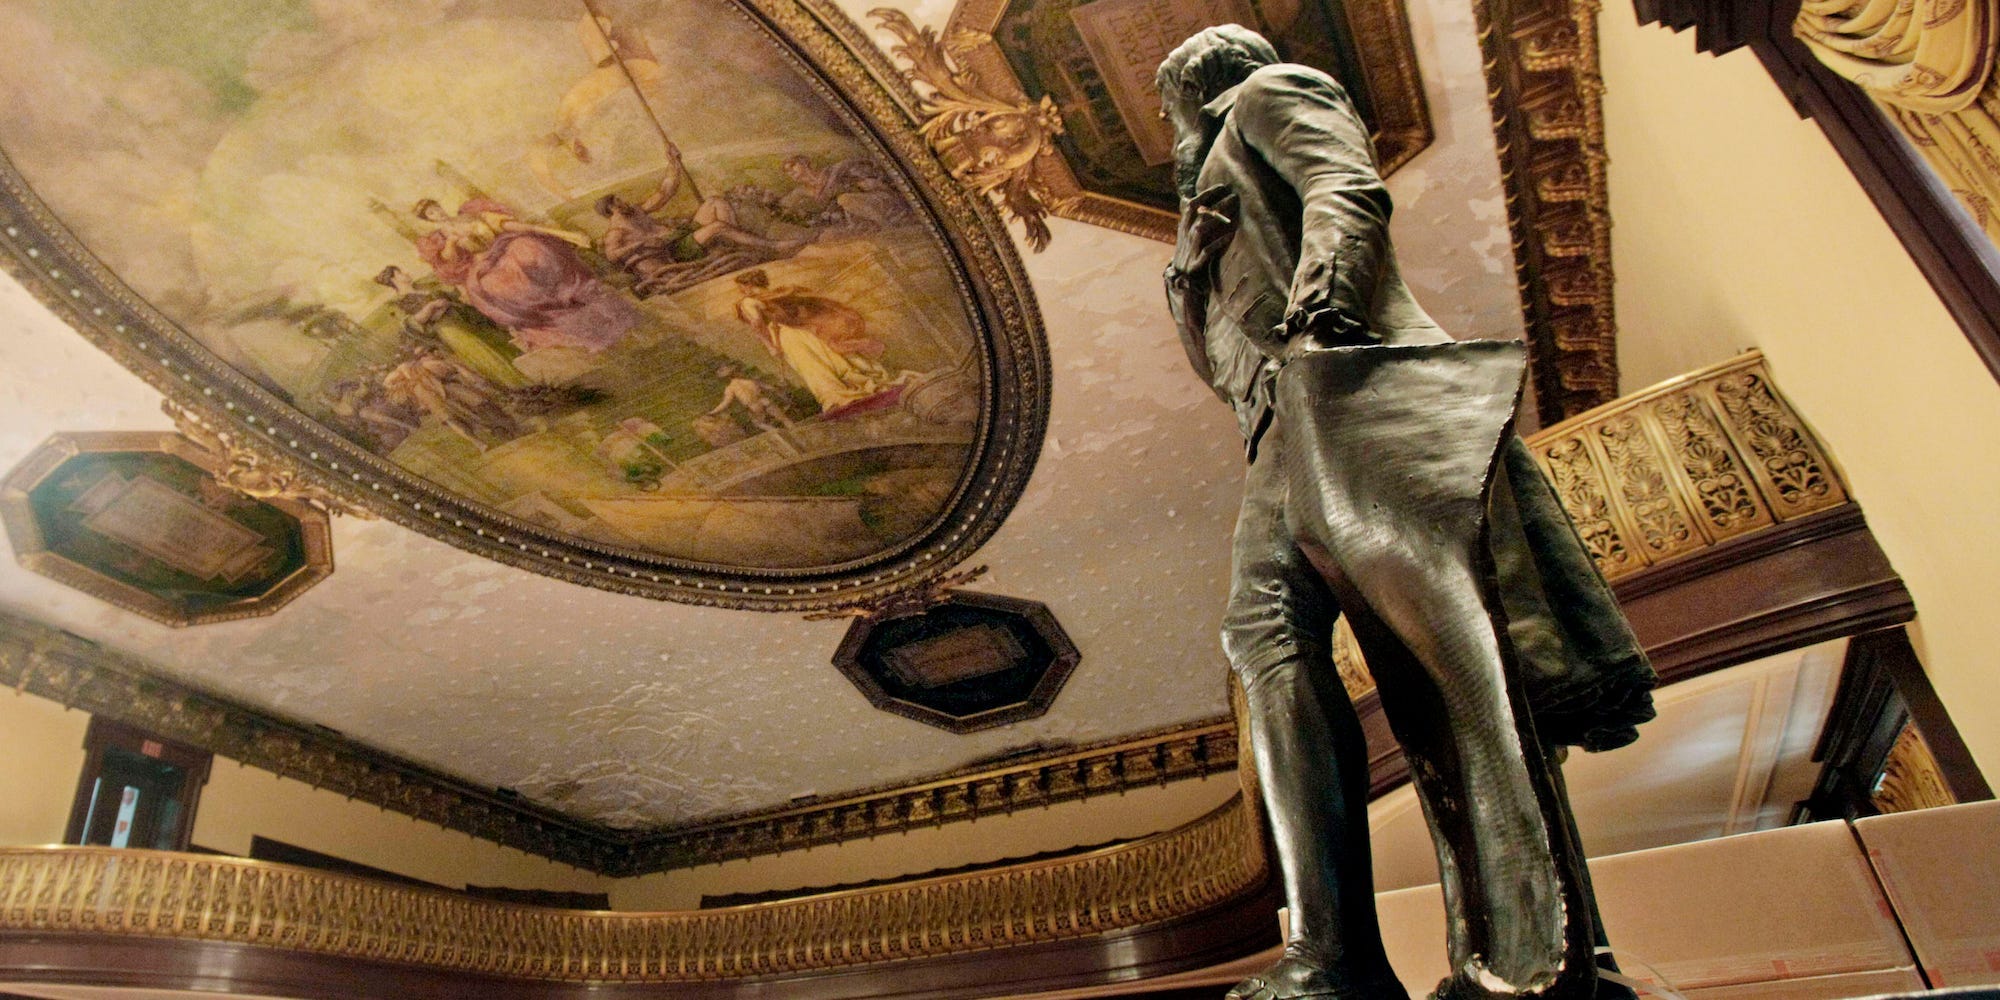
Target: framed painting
140	520
667	298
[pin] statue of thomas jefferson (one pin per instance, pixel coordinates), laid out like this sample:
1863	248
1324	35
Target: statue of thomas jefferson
1385	484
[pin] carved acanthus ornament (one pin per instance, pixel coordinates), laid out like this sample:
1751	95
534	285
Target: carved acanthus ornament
902	602
989	137
1686	464
1911	778
251	470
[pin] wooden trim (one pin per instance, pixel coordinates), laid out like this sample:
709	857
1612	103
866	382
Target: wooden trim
1816	577
1883	690
107	734
1960	262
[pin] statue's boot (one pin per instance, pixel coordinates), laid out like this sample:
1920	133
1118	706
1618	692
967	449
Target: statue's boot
1389	452
1311	761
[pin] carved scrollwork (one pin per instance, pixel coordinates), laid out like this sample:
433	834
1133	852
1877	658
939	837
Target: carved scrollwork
1581	486
1686	464
1721	489
253	471
1911	778
1636	466
989	138
1794	470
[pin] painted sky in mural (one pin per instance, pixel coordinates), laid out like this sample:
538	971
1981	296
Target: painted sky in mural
611	268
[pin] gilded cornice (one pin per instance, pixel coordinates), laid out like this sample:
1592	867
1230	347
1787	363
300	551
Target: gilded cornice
1546	94
62	667
1174	754
1179	873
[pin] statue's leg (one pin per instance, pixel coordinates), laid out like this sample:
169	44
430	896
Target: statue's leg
1311	759
1390	452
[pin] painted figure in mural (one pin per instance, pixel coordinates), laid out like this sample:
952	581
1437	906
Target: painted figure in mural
824	342
1385	484
739	389
439	385
857	188
431	315
527	278
361	407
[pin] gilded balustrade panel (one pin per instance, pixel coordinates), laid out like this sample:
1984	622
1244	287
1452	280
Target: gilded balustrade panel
131	892
1688	463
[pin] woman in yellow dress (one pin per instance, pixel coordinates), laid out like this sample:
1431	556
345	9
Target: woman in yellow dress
824	342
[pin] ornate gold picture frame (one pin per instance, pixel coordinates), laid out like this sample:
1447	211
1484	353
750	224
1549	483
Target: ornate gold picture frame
876	350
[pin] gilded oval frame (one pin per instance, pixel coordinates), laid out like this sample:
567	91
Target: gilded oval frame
861	86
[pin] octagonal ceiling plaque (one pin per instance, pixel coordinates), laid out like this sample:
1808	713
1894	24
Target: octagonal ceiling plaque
972	662
668	298
137	519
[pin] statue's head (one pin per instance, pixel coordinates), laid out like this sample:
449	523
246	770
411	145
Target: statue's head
1197	72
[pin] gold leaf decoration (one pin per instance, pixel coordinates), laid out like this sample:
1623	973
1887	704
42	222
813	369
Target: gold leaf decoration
987	137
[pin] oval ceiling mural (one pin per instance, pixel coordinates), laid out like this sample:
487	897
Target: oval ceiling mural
662	297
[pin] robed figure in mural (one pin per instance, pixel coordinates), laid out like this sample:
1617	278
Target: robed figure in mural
1385	484
824	341
528	278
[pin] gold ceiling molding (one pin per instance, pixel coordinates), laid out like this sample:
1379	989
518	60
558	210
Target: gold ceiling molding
80	674
75	672
1546	94
248	466
1175	754
1686	464
208	898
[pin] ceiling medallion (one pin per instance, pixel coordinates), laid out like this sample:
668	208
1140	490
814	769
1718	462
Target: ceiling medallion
967	663
143	521
1048	106
721	331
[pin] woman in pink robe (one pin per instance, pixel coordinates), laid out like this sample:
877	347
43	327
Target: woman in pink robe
527	278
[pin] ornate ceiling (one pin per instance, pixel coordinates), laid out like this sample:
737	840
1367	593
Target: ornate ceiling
631	712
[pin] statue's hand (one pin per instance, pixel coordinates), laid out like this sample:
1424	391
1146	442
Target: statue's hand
1316	313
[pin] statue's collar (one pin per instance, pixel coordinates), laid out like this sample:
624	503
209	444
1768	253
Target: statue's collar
1217	109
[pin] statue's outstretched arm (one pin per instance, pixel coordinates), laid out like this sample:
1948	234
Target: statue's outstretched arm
1301	122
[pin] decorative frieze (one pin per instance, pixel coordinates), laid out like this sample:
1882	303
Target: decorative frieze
1691	462
233	900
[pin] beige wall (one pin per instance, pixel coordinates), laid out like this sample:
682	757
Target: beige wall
1736	225
41	757
1136	813
242	801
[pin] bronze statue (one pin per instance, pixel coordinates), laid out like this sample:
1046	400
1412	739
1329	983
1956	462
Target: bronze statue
1385	484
